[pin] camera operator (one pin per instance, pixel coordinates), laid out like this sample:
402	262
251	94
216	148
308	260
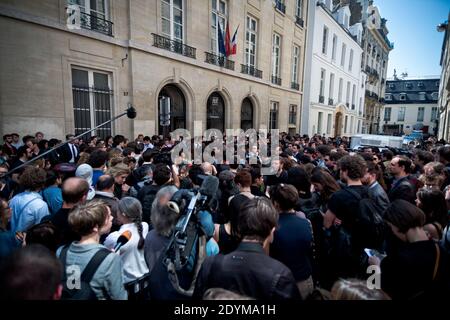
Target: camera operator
165	216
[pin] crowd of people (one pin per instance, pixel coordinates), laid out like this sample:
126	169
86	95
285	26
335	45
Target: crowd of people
312	230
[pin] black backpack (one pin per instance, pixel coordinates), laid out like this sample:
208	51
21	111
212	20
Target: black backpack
85	291
370	228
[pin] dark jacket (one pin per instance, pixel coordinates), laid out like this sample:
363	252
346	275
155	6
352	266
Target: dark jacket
65	154
247	271
292	245
403	189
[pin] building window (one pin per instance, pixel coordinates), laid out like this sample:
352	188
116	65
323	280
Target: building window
359	126
319	123
387	114
420	114
325	40
273	116
346	20
434	113
434	96
401	114
295	64
322	85
333	50
341	83
350	62
422	96
409	85
218	16
329	123
331	89
172	19
344	48
250	42
347	98
351	124
345	123
280	5
353	96
391	86
420	84
94	15
292	114
276	54
388	97
92	100
299	12
360	105
402	96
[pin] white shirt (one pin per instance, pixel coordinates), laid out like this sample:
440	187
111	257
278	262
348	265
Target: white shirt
133	261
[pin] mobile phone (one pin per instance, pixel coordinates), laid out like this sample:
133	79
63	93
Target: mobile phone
368	252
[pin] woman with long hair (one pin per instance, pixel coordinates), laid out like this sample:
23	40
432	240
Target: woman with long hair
433	204
325	185
132	253
418	269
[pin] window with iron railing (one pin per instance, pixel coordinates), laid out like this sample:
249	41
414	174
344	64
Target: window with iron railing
173	46
219	60
252	71
94	15
92	101
279	4
299	12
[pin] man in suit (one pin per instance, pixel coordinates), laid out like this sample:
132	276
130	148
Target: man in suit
376	191
249	270
69	153
402	188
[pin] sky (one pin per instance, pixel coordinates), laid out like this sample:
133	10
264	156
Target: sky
412	28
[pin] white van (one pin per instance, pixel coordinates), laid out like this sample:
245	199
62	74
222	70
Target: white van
374	140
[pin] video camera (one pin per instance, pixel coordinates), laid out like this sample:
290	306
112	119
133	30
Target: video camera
188	230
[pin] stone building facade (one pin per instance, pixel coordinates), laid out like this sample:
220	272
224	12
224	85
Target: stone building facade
65	72
334	83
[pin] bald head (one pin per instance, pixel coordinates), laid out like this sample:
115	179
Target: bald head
75	190
207	168
105	183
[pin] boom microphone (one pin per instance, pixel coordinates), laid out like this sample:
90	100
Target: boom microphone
124	238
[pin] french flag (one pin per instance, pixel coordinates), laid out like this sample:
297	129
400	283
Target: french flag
234	42
228	47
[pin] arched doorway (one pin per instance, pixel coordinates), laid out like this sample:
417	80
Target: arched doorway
215	112
173	98
246	114
338	124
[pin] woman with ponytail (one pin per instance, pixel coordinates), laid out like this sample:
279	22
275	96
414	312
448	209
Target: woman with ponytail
135	270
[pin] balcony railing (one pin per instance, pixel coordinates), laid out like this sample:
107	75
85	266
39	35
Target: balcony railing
295	86
174	46
330	101
276	80
95	23
299	21
220	61
280	6
321	99
250	70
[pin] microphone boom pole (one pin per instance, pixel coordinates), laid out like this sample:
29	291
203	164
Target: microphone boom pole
130	112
